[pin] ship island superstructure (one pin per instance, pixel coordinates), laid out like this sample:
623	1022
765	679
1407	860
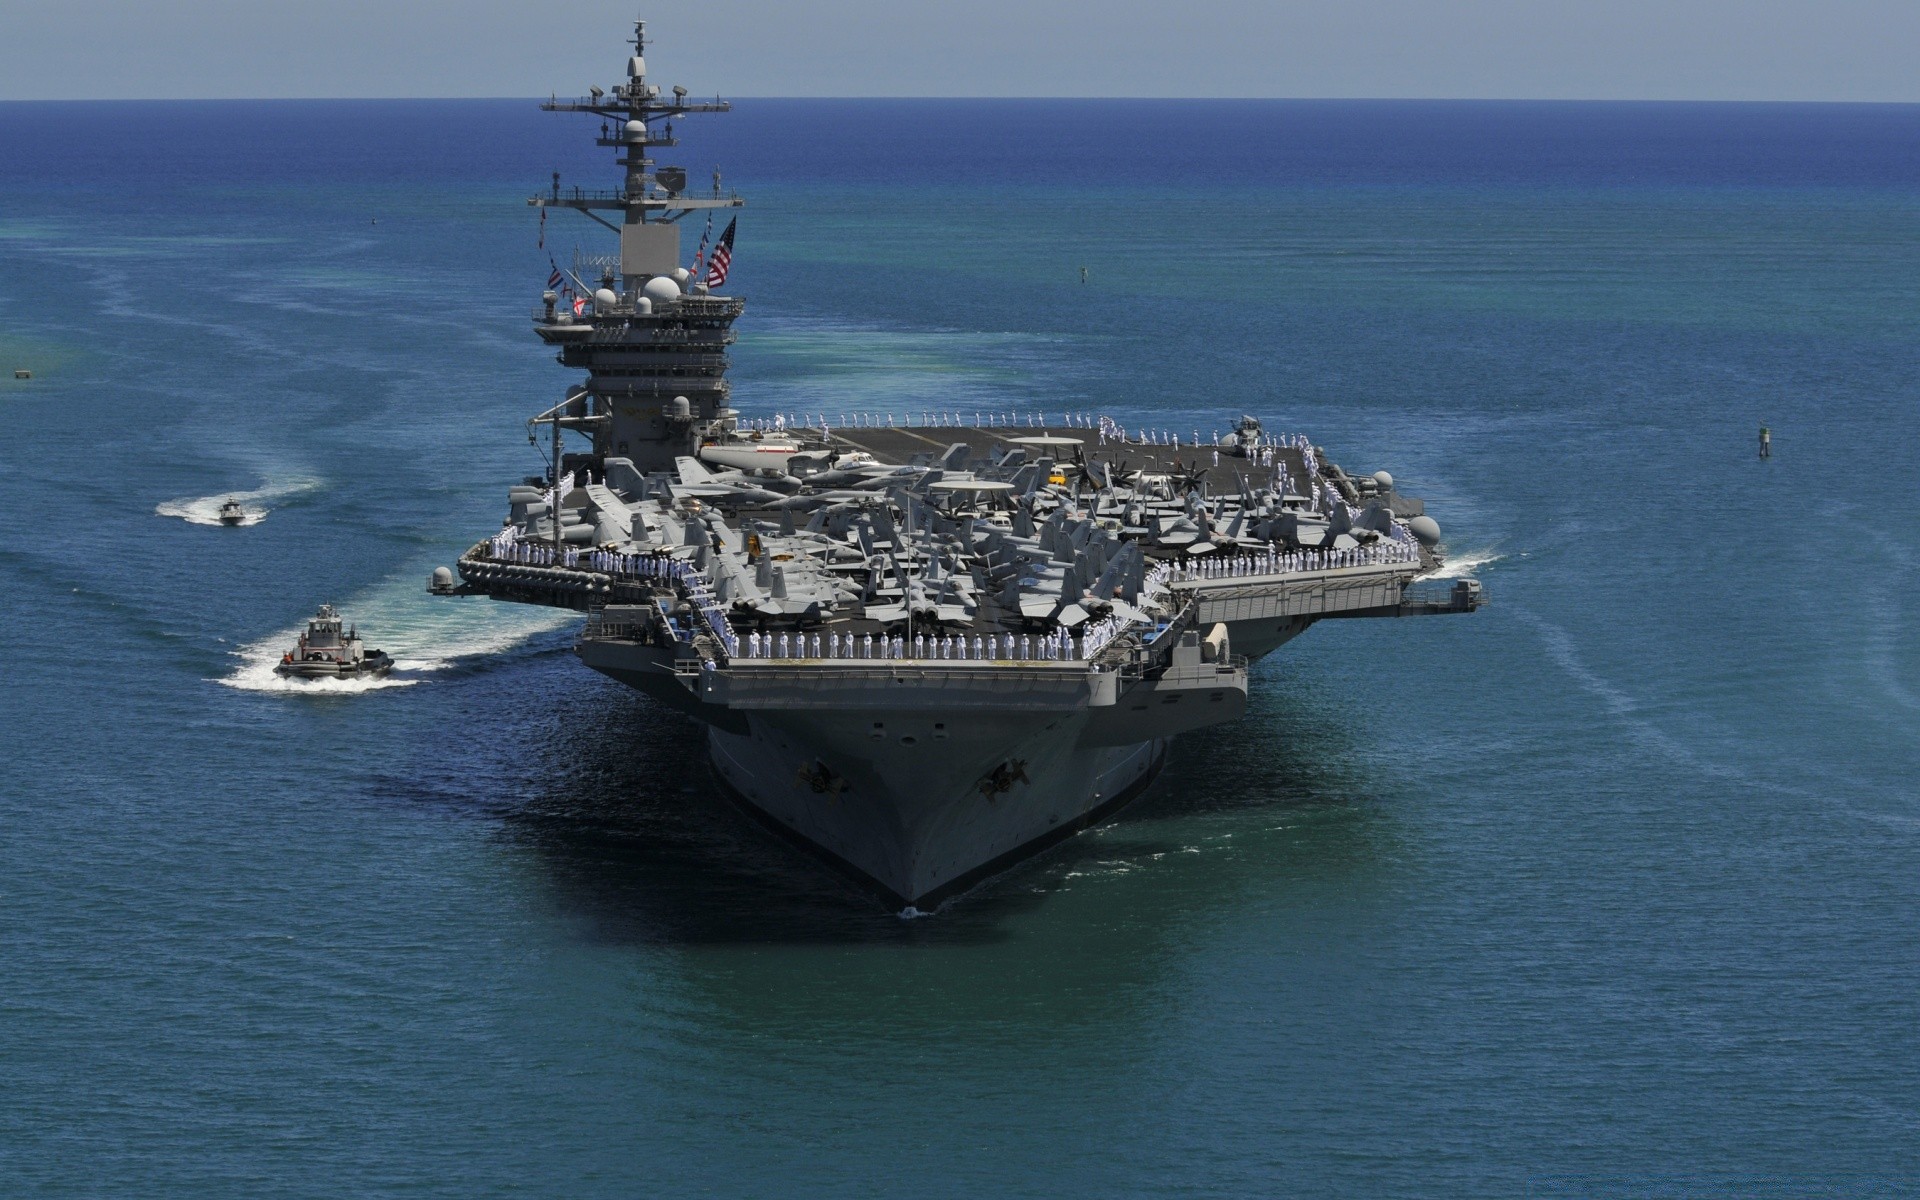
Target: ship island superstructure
926	648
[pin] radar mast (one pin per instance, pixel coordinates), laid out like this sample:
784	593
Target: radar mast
636	120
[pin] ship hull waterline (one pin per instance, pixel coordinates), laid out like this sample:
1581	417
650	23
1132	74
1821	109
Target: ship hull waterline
915	802
920	824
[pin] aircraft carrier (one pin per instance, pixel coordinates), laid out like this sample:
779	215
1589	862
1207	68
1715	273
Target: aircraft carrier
925	646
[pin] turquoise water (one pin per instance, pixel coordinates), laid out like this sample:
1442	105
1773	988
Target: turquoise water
1607	890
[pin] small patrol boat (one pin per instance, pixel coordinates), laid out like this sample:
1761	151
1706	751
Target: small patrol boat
324	652
231	513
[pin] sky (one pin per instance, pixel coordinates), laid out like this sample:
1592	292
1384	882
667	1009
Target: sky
1477	49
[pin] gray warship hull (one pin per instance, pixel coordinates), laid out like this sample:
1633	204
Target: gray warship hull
915	827
920	779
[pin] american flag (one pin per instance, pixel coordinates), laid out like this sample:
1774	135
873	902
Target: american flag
722	257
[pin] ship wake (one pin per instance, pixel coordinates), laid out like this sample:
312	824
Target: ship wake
1465	564
426	637
205	510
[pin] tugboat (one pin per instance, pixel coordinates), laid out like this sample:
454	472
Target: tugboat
323	652
231	513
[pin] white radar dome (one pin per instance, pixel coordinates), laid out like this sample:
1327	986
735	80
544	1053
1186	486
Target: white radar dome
660	289
605	299
642	305
636	67
1426	529
1384	480
636	129
681	275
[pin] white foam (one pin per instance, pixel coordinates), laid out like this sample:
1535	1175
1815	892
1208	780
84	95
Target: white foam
1464	564
422	633
258	676
205	510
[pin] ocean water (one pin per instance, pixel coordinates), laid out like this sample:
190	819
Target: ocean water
1611	889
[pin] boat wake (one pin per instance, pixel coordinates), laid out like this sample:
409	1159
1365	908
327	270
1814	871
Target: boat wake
205	510
1464	564
424	636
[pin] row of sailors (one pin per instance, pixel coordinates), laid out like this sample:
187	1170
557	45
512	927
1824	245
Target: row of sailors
508	548
780	422
996	647
1107	428
1401	549
1264	447
1375	554
644	566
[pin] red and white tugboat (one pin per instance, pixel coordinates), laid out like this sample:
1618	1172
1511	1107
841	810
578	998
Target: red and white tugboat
324	652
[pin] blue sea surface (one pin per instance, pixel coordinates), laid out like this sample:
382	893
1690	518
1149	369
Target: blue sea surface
1610	889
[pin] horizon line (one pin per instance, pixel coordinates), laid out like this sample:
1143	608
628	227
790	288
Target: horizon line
1701	100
